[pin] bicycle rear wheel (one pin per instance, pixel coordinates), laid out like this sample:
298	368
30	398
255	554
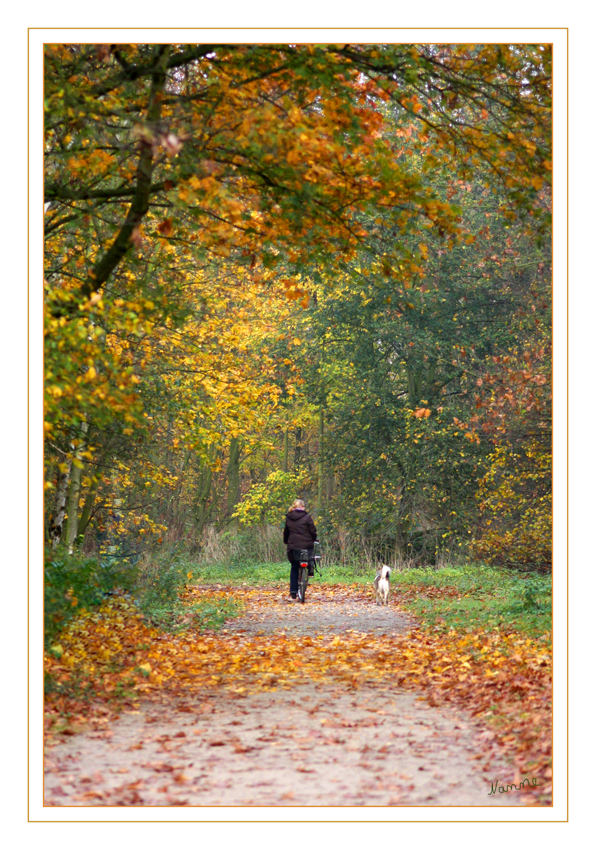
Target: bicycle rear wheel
302	583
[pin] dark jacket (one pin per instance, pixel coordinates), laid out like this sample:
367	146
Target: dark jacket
300	531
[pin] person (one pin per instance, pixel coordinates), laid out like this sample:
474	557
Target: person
299	533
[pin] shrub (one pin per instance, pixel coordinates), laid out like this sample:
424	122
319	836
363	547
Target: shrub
267	502
516	507
73	583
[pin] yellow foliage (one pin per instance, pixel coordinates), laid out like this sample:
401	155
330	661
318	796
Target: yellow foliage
516	504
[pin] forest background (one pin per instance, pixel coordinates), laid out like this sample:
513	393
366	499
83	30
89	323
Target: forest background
322	271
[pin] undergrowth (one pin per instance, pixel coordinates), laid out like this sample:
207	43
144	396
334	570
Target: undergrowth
464	597
73	583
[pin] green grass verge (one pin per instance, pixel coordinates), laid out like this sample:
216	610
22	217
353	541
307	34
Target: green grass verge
475	596
465	597
239	573
176	616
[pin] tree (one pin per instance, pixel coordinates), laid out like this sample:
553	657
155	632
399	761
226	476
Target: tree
192	185
273	145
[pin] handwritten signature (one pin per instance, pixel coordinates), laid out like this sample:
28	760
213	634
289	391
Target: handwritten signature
503	789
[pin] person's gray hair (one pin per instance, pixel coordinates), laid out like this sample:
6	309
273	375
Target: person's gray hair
298	505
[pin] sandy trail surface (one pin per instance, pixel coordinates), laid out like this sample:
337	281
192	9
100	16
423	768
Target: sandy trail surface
313	744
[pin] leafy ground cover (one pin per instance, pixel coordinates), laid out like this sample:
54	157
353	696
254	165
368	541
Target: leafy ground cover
468	651
74	584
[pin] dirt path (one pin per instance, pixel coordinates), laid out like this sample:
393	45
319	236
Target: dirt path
324	613
324	744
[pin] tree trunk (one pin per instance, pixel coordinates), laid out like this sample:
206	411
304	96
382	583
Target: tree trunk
140	200
72	519
431	381
203	493
320	464
403	525
414	385
330	487
87	511
421	383
286	447
233	476
298	447
57	521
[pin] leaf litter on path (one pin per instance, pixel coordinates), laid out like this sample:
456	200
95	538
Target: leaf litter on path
303	746
202	691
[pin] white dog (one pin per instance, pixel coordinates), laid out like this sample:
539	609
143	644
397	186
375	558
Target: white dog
381	584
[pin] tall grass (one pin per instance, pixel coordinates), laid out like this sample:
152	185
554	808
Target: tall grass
357	553
256	544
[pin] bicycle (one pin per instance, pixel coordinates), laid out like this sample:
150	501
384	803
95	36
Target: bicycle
308	562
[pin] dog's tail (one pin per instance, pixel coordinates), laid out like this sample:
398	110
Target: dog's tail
385	571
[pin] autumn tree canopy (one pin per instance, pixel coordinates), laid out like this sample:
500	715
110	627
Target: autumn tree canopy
267	146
